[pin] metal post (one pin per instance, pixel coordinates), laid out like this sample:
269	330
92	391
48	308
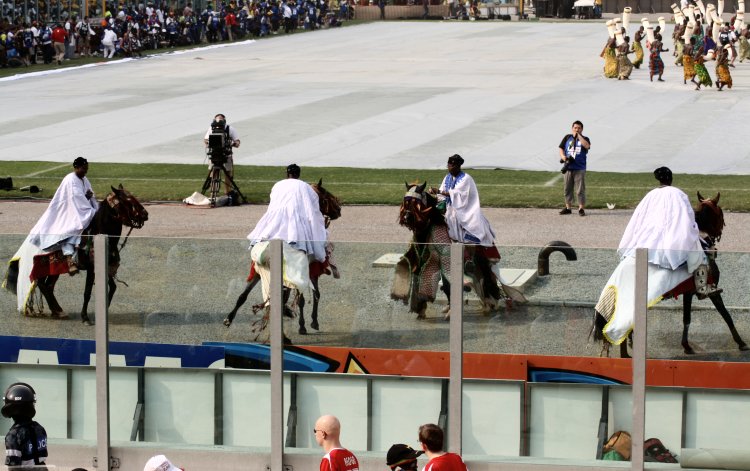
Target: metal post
455	389
639	358
277	358
101	280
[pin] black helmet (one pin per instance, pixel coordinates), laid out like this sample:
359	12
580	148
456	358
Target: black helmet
19	398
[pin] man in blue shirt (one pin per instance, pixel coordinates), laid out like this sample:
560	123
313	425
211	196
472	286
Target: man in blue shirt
573	150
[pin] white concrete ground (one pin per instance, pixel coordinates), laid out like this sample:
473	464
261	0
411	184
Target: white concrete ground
391	94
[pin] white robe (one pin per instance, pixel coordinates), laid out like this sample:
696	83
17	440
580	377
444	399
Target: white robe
294	216
67	215
463	213
664	223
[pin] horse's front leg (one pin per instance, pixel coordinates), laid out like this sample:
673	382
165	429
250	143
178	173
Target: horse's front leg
112	288
687	306
316	300
87	296
241	299
301	304
719	305
47	287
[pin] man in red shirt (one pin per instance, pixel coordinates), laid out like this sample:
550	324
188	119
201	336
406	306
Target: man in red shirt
431	439
337	458
59	35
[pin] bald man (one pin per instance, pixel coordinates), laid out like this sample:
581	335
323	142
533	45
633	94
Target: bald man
337	458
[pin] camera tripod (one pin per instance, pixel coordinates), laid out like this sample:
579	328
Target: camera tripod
214	182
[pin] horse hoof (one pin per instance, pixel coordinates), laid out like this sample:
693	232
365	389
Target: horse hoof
87	321
447	317
688	349
743	347
420	315
302	331
287	340
227	322
314	325
59	315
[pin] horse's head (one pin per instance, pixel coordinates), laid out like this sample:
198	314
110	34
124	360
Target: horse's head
330	206
418	208
709	216
126	207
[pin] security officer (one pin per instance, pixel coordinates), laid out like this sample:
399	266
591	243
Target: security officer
26	441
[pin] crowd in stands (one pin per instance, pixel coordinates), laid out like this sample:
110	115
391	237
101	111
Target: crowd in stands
126	31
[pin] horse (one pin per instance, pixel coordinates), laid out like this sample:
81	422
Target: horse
427	260
709	218
330	207
120	208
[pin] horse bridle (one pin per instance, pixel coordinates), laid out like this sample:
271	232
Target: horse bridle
124	213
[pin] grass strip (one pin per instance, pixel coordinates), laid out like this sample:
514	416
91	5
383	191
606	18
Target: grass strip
497	187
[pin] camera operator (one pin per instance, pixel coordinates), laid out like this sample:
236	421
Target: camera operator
231	139
573	150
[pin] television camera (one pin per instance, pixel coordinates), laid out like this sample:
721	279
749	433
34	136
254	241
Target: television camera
219	150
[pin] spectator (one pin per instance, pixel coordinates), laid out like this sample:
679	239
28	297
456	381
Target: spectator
108	41
337	458
59	36
573	151
431	439
402	457
160	463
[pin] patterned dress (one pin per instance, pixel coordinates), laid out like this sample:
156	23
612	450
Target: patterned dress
702	73
688	64
722	71
655	64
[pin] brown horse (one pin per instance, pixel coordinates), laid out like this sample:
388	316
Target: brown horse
710	220
427	260
330	207
120	208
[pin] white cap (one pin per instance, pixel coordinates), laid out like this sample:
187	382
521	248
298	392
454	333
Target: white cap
160	463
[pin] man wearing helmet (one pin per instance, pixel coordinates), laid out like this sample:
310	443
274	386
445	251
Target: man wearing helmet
26	441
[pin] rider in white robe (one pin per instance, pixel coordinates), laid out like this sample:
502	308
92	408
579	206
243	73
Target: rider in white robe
664	223
294	216
60	227
68	214
463	214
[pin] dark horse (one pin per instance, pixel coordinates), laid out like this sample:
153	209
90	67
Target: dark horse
710	220
330	207
120	208
427	260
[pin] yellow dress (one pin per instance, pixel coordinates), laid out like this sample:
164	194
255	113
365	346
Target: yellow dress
638	54
610	63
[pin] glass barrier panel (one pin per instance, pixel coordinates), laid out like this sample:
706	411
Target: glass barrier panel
536	387
43	341
698	367
193	373
383	316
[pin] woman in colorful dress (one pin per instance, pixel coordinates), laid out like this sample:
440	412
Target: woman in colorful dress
655	64
610	59
688	64
638	48
723	77
700	70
